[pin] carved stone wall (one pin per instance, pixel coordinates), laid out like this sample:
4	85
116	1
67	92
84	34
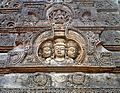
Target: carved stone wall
60	80
48	36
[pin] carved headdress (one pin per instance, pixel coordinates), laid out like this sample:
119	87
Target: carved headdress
60	42
47	44
72	44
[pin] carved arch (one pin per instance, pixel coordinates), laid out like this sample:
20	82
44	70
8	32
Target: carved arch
50	38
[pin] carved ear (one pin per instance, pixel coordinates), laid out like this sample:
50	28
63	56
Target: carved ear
39	52
66	52
52	55
79	52
53	50
67	57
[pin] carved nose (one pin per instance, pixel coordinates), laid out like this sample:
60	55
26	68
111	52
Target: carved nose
59	51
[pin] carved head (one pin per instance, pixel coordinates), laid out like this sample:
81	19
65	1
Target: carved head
40	80
47	49
77	79
59	47
57	16
86	15
60	15
72	49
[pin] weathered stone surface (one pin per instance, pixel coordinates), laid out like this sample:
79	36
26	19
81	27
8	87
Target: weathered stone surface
64	20
61	35
60	80
111	38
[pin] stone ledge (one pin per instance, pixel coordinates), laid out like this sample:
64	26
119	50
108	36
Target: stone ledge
63	90
60	69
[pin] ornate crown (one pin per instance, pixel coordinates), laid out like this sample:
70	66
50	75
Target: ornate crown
47	44
60	41
71	44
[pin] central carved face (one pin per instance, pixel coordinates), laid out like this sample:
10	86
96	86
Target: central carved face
60	51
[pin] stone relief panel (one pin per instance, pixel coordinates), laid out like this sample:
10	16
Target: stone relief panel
64	44
59	13
23	49
88	16
15	57
105	5
59	80
7	39
8	20
116	58
106	59
38	80
109	19
10	4
110	38
3	59
21	17
76	47
58	48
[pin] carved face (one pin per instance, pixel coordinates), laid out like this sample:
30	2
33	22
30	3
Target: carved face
78	79
47	51
40	80
59	51
72	49
72	52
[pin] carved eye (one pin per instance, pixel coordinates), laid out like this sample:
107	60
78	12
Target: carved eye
46	49
72	49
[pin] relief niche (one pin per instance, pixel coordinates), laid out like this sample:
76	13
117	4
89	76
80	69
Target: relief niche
60	47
